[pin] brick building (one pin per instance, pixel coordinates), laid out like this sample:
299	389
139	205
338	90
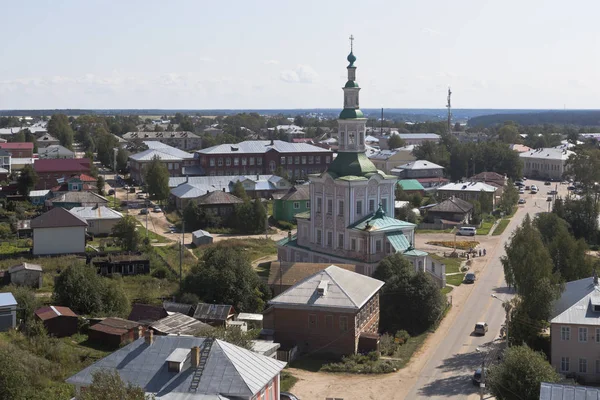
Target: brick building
253	157
182	140
328	312
18	149
54	171
173	158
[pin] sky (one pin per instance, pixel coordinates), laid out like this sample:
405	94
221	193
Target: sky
281	54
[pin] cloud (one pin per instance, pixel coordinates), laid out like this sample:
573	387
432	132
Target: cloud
431	32
205	59
271	62
302	74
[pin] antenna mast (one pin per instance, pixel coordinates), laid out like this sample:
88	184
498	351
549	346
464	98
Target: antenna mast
449	106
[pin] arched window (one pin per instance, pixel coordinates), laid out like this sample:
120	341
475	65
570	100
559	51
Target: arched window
272	166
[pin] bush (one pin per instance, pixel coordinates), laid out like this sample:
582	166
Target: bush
363	364
284	225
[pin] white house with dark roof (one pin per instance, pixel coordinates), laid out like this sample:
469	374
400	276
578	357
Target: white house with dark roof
467	191
174	159
58	232
546	163
100	219
190	368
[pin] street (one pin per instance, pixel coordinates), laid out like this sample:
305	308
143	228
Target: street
444	366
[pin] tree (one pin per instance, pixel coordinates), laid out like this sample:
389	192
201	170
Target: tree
581	215
410	300
584	166
26	180
520	374
299	120
415	200
191	214
26	300
224	275
59	127
108	385
239	191
509	198
400	194
259	215
281	172
122	157
105	145
476	213
126	234
395	142
434	152
509	133
14	381
406	214
100	185
157	179
78	287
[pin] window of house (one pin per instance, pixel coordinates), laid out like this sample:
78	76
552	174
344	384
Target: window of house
378	246
319	204
303	159
432	267
308	204
297	160
359	207
327	159
244	160
565	333
341	208
384	205
319	238
311	159
583	365
130	269
564	364
597	335
371	205
251	161
353	244
91	223
329	321
258	161
272	166
228	162
340	240
296	205
388	247
583	334
312	320
236	161
329	206
212	162
282	160
329	239
289	160
343	324
318	159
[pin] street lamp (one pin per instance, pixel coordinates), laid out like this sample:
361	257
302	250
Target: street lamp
507	307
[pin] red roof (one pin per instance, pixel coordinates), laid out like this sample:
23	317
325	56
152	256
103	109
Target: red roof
46	313
17	145
86	178
115	326
62	165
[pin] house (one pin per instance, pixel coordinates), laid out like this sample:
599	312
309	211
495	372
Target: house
575	330
178	324
411	186
146	313
101	219
468	191
46	140
18	149
39	197
219	203
556	391
387	160
173	307
214	314
190	368
411	138
296	200
17	164
427	173
76	183
26	274
212	131
69	200
252	157
252	320
55	151
174	159
5	164
201	237
58	321
56	170
182	140
492	179
122	264
547	163
284	275
58	232
8	312
114	332
327	312
450	211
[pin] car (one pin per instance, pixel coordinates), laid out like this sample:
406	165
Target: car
549	198
527	188
519	183
521	191
470	277
534	191
467	231
524	178
522	201
477	376
570	187
552	192
547	183
126	187
141	196
533	187
288	396
144	211
111	192
481	328
157	209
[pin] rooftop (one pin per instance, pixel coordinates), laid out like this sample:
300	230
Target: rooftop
547	153
420	165
219	197
50	312
96	212
432	136
115	326
79	197
200	233
159	135
57	217
215	312
331	287
454	205
182	308
146	313
379	221
62	165
410	184
17	146
179	324
262	146
555	391
288	274
575	304
164	153
7	299
25	266
39	193
468	187
298	192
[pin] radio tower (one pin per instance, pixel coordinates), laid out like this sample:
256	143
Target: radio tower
449	106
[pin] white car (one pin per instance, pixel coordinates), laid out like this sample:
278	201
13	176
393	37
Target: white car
521	191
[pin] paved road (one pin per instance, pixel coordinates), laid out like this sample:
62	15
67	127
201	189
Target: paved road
448	372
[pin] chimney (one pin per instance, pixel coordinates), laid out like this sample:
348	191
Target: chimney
272	142
322	288
195	358
149	337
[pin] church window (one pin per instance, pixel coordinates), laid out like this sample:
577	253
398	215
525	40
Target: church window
341	208
319	204
282	161
329	239
384	205
371	205
329	206
351	138
341	240
359	207
319	234
353	244
378	246
361	139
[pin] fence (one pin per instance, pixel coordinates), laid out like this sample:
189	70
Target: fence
435	226
287	355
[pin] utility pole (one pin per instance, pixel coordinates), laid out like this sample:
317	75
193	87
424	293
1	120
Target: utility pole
182	246
482	384
381	133
449	106
147	233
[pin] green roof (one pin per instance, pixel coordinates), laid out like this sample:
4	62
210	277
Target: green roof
351	59
351	113
398	241
351	84
351	164
410	184
380	222
415	253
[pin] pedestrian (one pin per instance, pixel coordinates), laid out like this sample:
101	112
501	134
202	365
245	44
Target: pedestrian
484	252
467	256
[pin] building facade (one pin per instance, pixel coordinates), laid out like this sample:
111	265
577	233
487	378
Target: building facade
295	201
55	171
548	163
174	159
182	140
58	232
387	160
18	149
468	191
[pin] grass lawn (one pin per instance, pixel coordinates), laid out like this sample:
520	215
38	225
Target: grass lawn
452	264
287	381
447	289
501	227
263	269
485	227
14	247
253	248
449	230
455	280
406	351
148	289
170	254
154	237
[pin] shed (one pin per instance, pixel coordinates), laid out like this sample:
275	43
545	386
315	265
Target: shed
26	274
254	321
411	186
114	332
173	307
214	314
201	237
58	321
8	311
179	324
146	314
265	347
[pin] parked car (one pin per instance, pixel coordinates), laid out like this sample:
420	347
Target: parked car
470	277
288	396
467	231
480	328
519	183
547	183
157	209
527	187
144	211
570	187
521	191
552	192
477	377
534	187
522	201
111	192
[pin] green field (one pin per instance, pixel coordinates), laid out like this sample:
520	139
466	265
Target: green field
501	227
455	280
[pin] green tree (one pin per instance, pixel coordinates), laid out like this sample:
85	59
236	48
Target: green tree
122	157
105	145
191	216
239	191
157	179
100	185
520	374
395	142
584	166
26	180
400	194
126	234
225	275
59	127
434	152
509	133
486	202
582	216
415	200
108	385
509	198
410	300
476	213
406	214
299	120
259	215
79	288
14	382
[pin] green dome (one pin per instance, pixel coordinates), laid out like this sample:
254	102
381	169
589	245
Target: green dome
351	59
351	84
351	113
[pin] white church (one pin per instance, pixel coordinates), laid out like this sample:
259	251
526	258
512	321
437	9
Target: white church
350	202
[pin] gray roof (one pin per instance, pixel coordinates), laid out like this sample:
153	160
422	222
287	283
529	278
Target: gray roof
197	186
80	197
420	165
163	153
39	193
159	135
55	151
200	233
468	187
217	181
172	307
299	192
57	217
454	205
214	312
27	266
179	324
554	391
262	146
575	304
47	138
345	289
96	212
417	135
547	154
7	299
229	370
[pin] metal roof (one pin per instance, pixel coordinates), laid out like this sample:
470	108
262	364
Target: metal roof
417	135
420	165
398	241
290	273
62	165
57	217
249	317
7	299
162	154
115	326
380	222
575	304
159	135
547	154
216	181
27	266
46	313
554	391
262	146
96	212
345	289
214	312
454	205
179	324
146	313
468	187
228	371
410	184
219	197
182	308
200	233
299	192
80	197
39	193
